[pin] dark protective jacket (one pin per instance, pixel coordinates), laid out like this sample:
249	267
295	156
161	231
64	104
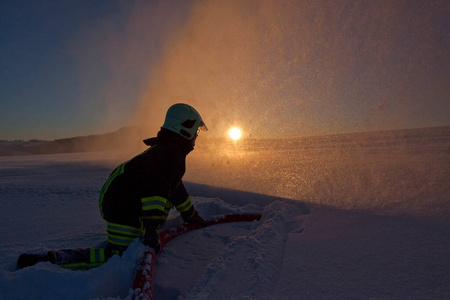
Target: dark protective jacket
138	194
141	191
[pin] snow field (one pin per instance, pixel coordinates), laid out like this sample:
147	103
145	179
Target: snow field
293	252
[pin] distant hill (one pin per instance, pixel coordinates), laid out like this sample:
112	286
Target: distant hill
130	139
126	137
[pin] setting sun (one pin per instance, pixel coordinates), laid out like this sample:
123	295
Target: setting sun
235	133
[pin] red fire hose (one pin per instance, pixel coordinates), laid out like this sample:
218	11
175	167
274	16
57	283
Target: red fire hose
143	278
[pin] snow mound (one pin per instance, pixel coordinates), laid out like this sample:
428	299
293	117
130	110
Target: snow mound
245	256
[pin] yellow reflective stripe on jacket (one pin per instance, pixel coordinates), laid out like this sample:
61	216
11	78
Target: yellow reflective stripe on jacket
124	229
119	170
185	206
160	217
120	240
122	235
154	203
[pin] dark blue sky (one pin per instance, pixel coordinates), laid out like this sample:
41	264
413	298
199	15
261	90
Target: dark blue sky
41	90
274	68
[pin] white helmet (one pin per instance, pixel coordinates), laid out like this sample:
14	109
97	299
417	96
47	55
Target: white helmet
184	120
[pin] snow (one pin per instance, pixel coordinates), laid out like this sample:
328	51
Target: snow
298	250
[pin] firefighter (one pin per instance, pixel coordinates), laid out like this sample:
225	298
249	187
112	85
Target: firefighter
138	195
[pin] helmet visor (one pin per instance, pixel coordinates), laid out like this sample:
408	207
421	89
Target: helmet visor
202	126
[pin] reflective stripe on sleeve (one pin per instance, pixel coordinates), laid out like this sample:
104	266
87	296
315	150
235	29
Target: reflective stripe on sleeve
185	206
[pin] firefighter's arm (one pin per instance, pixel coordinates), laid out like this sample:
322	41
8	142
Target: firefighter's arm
154	213
182	202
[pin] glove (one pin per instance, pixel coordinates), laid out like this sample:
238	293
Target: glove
151	239
196	219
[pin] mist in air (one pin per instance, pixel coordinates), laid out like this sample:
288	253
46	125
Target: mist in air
302	67
291	75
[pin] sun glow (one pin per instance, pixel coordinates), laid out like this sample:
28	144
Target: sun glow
235	133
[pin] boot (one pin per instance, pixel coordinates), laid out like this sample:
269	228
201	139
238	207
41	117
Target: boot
27	260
